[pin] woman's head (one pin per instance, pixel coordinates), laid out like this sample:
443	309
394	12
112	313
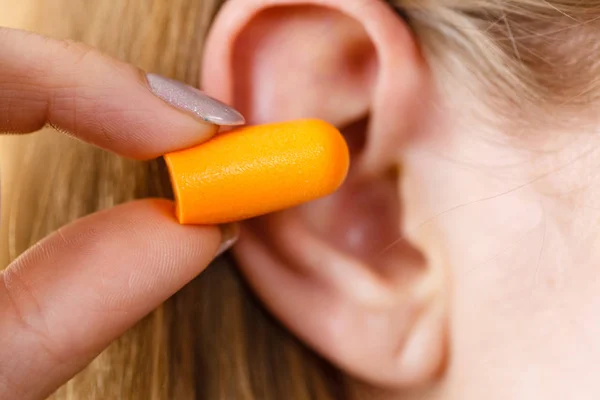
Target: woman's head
470	122
457	262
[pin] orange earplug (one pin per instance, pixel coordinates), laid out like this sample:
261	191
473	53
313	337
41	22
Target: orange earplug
256	170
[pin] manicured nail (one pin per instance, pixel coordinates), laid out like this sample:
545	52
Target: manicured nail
229	235
194	101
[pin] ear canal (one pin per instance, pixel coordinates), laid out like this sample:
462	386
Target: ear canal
363	220
303	61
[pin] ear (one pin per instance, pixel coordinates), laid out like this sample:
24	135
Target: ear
337	271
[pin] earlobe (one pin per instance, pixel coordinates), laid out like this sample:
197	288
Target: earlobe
325	269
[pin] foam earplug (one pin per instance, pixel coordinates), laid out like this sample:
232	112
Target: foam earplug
256	170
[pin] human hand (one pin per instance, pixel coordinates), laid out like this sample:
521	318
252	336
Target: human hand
68	297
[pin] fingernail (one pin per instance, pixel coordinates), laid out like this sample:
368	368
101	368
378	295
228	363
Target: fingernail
229	235
193	101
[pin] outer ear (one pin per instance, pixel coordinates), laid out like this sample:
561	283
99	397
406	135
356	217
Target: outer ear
323	269
274	62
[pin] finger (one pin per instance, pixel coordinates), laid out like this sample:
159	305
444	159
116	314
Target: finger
69	296
100	100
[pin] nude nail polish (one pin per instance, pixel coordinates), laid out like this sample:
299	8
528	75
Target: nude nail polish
193	101
229	234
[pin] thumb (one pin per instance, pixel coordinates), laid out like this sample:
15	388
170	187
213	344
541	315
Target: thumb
69	296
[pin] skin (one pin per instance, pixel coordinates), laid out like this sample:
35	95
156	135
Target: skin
139	249
475	275
474	278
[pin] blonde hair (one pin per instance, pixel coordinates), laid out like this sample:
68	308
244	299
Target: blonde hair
531	63
213	340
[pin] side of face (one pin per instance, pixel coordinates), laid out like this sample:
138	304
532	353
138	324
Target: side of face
453	263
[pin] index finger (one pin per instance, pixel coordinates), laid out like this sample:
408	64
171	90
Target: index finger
100	100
